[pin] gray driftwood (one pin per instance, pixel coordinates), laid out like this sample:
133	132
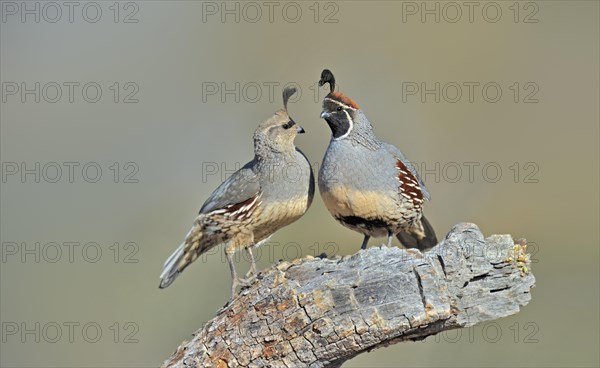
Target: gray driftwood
321	312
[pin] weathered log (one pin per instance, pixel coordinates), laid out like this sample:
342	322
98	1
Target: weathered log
321	312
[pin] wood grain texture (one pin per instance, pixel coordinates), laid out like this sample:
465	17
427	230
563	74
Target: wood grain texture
315	312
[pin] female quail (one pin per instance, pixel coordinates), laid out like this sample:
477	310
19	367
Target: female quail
254	202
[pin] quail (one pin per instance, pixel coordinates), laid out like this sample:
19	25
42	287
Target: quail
254	202
368	185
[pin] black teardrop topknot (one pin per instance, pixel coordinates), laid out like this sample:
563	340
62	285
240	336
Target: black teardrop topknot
327	77
287	93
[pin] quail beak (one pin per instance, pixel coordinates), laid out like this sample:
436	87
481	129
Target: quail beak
324	114
299	129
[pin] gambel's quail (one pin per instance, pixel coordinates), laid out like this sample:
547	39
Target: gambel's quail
254	202
368	185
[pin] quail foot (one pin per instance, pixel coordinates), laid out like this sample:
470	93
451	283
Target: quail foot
253	203
368	185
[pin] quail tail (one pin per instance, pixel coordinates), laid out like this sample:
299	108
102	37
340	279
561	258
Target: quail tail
421	236
171	267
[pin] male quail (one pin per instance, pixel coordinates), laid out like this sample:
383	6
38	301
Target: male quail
368	185
254	202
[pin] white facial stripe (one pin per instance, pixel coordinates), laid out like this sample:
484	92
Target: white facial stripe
349	128
341	104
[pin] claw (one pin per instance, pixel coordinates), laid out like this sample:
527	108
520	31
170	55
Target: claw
238	281
246	281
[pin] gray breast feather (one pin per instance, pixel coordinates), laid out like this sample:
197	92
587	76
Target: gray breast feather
286	178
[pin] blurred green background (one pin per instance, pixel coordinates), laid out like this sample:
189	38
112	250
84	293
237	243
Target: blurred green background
534	155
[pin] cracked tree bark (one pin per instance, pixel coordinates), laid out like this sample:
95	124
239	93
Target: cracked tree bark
315	312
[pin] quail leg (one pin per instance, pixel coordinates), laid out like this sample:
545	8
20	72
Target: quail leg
390	235
234	277
365	242
251	274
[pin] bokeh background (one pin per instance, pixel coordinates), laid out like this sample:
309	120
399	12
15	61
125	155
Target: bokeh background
165	132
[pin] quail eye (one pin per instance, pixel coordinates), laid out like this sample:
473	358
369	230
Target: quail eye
339	108
287	125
